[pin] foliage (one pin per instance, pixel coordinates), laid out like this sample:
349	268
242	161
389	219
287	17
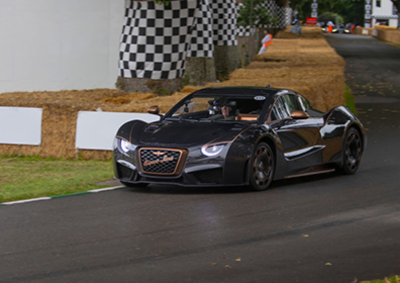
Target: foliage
165	2
349	100
329	16
395	279
260	16
350	10
396	3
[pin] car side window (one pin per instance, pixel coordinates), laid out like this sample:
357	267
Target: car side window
304	103
283	107
290	103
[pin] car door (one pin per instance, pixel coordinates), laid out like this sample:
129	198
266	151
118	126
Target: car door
300	137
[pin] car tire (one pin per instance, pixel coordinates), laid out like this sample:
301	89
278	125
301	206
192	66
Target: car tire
139	185
262	167
352	151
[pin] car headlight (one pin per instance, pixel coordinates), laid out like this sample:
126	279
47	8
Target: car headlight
126	146
212	150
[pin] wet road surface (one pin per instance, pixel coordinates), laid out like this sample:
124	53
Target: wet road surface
372	65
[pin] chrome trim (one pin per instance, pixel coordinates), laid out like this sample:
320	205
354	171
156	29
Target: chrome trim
303	151
202	167
127	164
311	173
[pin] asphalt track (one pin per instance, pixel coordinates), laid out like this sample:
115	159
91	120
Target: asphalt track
326	228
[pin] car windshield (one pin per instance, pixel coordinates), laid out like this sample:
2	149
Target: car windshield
218	108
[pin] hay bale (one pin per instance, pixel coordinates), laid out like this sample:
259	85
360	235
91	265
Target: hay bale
307	32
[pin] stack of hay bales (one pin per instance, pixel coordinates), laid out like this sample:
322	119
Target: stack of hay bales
390	34
304	63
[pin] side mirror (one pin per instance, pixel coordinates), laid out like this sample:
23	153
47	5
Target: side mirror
298	114
153	110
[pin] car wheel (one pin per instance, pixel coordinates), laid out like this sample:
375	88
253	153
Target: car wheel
262	167
352	151
140	185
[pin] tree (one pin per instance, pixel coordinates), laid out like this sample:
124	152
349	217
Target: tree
329	16
256	16
396	3
350	10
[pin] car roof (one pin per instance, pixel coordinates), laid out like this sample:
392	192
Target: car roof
239	91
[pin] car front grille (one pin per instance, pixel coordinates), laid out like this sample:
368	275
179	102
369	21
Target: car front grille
162	161
212	176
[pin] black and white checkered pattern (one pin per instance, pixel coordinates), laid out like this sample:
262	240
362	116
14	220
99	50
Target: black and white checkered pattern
201	44
245	31
272	8
155	39
241	30
224	22
282	13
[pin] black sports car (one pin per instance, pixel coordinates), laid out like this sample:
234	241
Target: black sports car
340	29
237	136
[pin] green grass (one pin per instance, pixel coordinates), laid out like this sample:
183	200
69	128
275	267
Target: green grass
395	279
349	100
33	177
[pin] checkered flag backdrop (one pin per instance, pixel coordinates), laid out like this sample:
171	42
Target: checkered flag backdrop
224	22
201	44
155	39
282	13
245	31
241	30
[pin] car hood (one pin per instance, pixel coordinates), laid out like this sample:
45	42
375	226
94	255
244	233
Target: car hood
189	133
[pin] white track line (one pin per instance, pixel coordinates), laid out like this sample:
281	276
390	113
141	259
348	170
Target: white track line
47	198
106	189
26	200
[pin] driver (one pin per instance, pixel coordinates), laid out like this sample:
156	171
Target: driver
226	111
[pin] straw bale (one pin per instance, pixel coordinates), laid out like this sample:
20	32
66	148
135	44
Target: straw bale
189	89
385	27
307	32
298	52
306	64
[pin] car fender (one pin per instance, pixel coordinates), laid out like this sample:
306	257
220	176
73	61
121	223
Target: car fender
132	130
338	121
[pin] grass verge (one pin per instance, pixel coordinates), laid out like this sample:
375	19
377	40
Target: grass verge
394	279
349	100
33	177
